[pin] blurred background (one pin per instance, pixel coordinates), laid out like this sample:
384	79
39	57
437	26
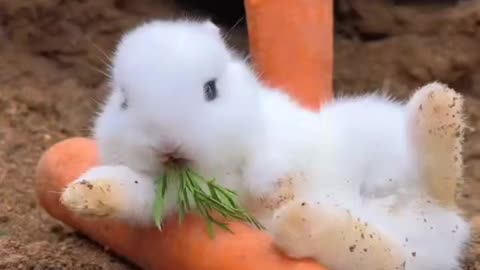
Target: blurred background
52	60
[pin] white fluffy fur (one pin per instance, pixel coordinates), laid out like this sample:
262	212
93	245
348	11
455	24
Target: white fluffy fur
356	156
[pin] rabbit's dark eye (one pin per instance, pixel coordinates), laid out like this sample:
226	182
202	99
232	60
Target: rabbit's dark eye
124	104
210	90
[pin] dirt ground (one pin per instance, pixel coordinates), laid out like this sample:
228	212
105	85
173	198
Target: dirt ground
51	81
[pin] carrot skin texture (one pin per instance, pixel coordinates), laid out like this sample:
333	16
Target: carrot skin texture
291	43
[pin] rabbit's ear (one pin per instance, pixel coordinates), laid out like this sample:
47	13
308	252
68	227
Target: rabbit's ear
436	126
211	27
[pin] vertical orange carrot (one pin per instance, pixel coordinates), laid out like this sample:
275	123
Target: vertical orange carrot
291	42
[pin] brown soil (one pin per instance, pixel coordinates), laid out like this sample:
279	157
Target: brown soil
50	85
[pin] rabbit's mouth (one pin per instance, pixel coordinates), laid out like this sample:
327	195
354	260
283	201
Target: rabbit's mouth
173	159
171	155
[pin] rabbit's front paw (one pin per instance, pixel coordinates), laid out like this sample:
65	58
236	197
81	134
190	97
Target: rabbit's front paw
91	197
111	192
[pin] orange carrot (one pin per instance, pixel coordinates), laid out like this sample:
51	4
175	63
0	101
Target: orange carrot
291	43
186	246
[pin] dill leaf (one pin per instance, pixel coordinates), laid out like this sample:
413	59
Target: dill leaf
195	193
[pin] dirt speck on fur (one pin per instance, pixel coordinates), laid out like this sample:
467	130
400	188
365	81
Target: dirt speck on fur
52	54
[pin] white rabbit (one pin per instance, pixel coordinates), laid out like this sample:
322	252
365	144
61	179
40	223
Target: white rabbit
176	92
366	183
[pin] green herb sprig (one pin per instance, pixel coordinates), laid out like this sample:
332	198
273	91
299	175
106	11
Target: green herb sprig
195	193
